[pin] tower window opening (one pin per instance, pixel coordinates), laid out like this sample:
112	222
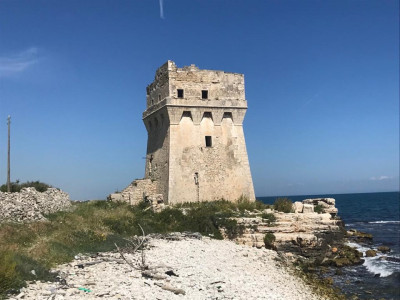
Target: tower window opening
204	94
180	93
187	114
208	141
159	97
207	114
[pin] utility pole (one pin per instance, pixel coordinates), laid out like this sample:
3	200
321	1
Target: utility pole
8	158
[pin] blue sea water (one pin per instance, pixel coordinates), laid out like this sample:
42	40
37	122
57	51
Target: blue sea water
378	214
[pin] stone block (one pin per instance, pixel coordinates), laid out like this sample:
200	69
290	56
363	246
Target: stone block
298	207
308	208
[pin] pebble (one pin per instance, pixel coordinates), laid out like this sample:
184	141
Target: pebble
206	269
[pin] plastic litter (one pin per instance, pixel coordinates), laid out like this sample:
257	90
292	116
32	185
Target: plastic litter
84	289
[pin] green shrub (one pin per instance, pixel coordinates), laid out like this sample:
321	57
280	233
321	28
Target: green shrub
204	220
15	269
269	239
8	275
16	186
284	205
319	209
269	218
243	203
232	229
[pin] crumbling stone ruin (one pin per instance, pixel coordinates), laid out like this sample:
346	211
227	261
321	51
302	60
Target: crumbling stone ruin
31	205
196	149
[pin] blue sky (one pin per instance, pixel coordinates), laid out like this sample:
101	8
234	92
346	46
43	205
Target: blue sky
322	84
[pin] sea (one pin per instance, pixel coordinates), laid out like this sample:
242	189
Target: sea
376	213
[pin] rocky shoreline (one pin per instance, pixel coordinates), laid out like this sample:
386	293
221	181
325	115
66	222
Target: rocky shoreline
186	268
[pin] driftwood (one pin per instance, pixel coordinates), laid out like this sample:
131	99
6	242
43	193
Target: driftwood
170	288
137	245
105	259
149	272
215	282
152	275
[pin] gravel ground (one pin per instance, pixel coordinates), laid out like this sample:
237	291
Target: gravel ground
204	269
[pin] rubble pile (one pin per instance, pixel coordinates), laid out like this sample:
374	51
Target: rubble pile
31	205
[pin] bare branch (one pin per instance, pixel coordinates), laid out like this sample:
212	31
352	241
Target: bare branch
139	243
123	257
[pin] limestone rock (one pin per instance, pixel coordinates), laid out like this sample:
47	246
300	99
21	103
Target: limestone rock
305	233
308	208
298	207
328	204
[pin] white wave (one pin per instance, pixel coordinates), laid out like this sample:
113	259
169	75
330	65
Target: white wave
379	266
358	247
376	265
384	222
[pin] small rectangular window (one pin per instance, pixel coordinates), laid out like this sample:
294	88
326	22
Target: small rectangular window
208	141
159	97
204	94
180	93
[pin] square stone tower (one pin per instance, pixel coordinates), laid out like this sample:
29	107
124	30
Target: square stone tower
196	149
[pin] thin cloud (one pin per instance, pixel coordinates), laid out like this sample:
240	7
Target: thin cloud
309	101
19	62
162	9
380	178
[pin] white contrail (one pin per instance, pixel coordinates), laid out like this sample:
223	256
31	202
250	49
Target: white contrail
161	9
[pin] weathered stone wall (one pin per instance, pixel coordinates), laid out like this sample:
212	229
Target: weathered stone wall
30	205
219	84
157	158
159	89
139	190
223	170
223	87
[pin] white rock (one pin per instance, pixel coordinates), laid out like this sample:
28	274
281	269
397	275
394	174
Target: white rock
298	207
308	208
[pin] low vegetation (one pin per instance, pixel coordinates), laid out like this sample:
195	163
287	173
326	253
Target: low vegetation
16	186
284	205
317	280
319	209
269	240
95	226
270	219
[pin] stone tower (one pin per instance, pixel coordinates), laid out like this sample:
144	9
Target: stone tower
196	149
